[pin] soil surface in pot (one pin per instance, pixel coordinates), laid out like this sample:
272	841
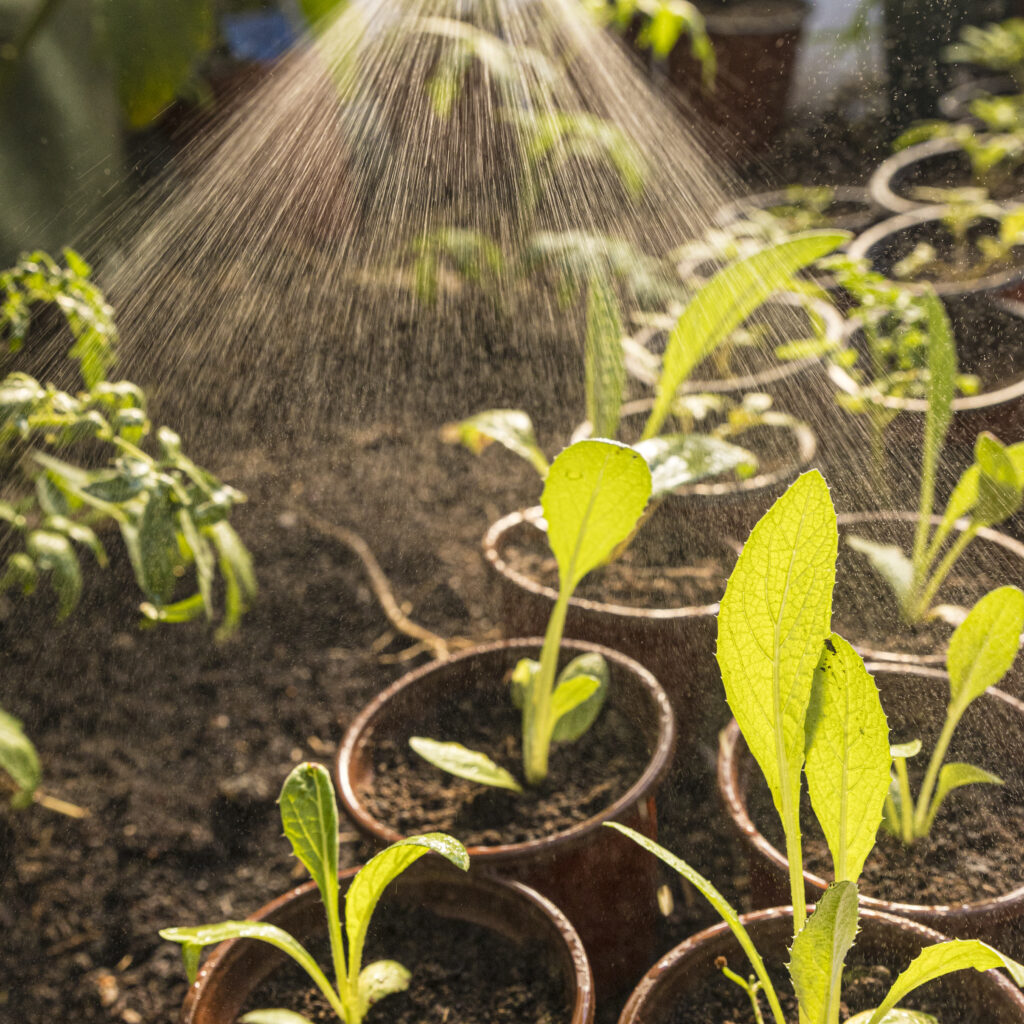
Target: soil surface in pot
411	795
462	973
953	170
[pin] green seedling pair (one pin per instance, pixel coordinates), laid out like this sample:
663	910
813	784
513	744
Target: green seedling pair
309	815
808	709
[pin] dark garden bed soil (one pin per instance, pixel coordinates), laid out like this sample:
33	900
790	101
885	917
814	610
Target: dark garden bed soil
412	795
501	982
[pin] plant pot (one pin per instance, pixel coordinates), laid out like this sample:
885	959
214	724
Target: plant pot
852	208
887	243
883	939
914	698
756	48
235	969
594	876
866	614
939	162
955	105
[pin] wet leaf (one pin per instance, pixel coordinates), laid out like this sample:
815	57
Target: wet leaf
985	644
604	359
572	723
889	561
276	1016
380	979
464	763
509	427
953	776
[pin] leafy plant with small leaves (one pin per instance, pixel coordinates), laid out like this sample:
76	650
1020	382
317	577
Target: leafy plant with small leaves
309	816
998	46
981	651
594	496
808	708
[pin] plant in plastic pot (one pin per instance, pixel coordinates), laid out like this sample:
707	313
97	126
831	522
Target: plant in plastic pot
808	708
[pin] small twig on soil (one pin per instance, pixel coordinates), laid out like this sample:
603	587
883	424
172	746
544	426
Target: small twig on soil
381	587
53	803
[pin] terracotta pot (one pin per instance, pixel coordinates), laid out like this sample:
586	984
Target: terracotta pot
992	557
889	241
852	209
234	970
589	871
882	939
756	48
914	698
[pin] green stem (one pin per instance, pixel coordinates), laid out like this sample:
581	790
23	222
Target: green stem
906	801
918	607
537	706
922	811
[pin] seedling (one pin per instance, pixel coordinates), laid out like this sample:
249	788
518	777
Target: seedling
807	706
988	492
594	495
715	312
310	819
981	651
998	46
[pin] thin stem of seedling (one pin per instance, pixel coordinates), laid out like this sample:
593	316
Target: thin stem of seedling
918	607
906	801
921	813
749	985
537	703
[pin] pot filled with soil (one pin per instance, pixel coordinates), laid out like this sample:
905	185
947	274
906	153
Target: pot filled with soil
964	877
527	961
756	44
924	246
936	163
866	611
687	984
848	207
549	836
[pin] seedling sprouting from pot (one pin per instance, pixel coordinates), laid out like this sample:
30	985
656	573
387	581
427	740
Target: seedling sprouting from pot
309	815
988	492
807	706
594	496
981	651
714	313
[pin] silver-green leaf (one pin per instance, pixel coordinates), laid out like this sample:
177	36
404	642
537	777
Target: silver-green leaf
458	760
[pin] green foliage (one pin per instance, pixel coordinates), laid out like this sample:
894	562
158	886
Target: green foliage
594	496
993	155
805	704
997	46
309	816
18	758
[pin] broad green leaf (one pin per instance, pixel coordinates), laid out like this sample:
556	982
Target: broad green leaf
593	496
571	724
380	979
53	553
985	644
679	459
905	750
819	951
999	486
604	359
366	888
159	554
463	762
19	759
773	621
848	759
236	567
889	561
895	1017
725	302
945	958
953	776
720	904
274	1016
570	694
195	938
509	427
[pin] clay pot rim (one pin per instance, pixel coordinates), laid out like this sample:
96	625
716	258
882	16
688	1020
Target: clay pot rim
879	183
737	208
730	753
582	1011
784	370
674	960
806	442
841	378
987	533
655	770
861	246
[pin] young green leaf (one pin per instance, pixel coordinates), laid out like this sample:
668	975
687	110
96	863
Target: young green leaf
365	889
848	759
773	620
594	494
380	979
910	749
569	695
274	1016
984	645
889	561
942	959
604	360
309	815
679	459
463	762
725	302
509	427
19	759
572	723
999	485
720	904
896	1016
953	776
522	679
819	952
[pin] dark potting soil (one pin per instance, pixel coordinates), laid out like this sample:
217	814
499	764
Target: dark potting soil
462	973
411	795
953	170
